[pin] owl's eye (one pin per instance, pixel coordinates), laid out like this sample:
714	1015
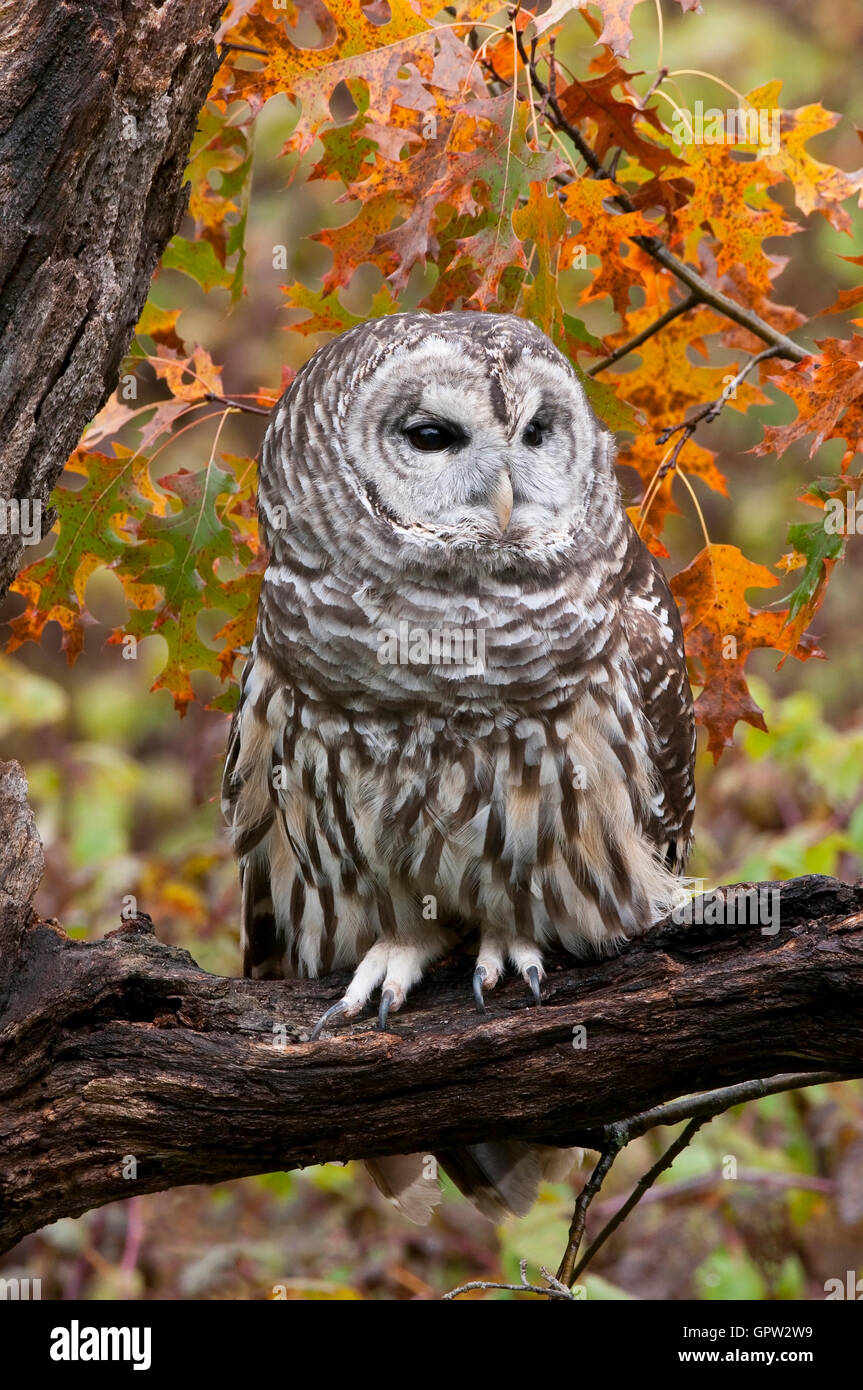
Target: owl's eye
432	439
534	433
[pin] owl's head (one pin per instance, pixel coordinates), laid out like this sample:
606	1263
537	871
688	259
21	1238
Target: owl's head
454	435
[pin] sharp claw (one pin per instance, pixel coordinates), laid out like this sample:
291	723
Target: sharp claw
478	982
532	977
387	999
334	1012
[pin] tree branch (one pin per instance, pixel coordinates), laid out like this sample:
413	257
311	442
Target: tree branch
566	1273
681	307
99	100
552	1288
569	1270
124	1068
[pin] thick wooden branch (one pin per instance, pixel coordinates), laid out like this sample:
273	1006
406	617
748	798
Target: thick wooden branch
98	105
124	1049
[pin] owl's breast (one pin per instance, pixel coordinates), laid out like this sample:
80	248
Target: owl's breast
372	649
537	824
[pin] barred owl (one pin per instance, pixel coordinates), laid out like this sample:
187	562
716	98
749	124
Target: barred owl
466	704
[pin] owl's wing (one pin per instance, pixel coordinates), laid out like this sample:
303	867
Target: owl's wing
655	635
250	822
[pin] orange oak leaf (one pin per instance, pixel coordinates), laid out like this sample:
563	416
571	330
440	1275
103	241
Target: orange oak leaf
729	199
190	378
665	383
721	630
828	393
663	387
618	122
160	325
354	48
645	456
603	233
818	187
481	168
356	242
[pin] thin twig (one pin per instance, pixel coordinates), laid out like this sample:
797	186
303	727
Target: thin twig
242	48
706	413
551	94
615	160
696	1111
493	72
674	312
657	82
566	1273
647	1180
551	1289
708	1103
238	405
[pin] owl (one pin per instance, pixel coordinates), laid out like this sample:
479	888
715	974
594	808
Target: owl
466	708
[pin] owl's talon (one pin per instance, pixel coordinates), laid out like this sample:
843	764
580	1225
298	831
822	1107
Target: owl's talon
531	975
387	1001
478	982
335	1011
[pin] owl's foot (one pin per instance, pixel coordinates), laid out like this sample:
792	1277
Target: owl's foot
335	1012
523	955
396	968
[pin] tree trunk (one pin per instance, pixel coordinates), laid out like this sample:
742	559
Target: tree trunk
125	1068
98	105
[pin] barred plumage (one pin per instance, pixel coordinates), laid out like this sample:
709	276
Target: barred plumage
430	486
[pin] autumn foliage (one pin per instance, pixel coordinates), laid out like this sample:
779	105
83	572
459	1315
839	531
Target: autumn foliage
483	172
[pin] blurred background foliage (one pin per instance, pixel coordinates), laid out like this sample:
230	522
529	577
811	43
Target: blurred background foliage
125	796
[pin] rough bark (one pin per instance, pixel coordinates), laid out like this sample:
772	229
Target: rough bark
125	1048
98	105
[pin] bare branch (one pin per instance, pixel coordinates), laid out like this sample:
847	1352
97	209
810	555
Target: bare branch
239	405
566	1273
625	349
552	1288
697	1110
648	1179
707	413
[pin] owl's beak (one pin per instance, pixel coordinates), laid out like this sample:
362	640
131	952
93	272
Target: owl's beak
501	499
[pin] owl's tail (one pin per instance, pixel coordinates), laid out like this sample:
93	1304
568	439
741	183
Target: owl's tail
500	1178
